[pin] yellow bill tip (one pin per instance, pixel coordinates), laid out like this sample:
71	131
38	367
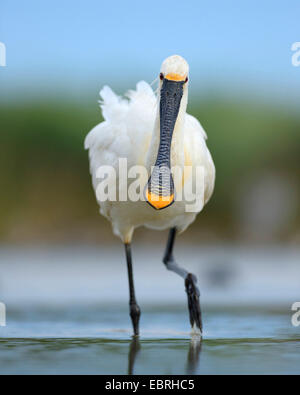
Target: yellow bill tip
159	202
175	77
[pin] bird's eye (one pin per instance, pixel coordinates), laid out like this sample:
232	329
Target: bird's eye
186	80
161	76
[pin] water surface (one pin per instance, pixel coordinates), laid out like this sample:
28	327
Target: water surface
67	313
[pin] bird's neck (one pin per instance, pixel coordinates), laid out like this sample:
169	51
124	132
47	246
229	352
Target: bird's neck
177	144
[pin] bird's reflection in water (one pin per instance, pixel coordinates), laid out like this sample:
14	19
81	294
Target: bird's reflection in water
134	349
193	355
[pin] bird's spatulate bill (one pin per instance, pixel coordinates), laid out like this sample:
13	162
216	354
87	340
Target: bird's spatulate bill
159	191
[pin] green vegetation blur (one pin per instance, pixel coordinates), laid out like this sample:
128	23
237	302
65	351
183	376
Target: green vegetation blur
46	193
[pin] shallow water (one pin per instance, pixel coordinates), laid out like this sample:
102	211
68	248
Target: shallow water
97	341
159	356
68	315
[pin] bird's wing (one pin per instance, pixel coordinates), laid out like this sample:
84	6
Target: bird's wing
128	124
199	155
193	123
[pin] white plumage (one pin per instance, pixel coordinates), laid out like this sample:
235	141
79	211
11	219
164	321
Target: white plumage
131	130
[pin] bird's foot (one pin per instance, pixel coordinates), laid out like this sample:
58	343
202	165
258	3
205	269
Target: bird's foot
135	314
193	295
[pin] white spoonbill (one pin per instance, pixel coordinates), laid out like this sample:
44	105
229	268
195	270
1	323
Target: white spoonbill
154	132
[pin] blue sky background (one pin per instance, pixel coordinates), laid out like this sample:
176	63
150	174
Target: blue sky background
73	47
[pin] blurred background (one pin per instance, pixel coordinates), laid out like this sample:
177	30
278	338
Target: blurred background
245	91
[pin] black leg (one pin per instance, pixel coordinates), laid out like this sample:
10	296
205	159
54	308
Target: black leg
135	311
190	279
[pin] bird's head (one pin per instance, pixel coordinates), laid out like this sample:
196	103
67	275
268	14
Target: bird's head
173	77
174	68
